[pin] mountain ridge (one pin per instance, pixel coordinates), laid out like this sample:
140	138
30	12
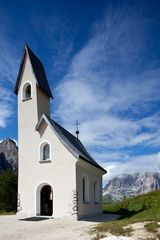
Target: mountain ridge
128	185
8	155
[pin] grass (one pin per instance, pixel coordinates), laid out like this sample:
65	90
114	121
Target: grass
115	227
152	226
137	209
7	213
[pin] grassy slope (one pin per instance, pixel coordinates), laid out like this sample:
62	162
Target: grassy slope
141	208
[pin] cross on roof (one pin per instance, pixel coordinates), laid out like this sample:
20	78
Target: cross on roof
77	131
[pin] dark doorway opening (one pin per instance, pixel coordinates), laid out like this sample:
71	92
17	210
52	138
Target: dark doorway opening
46	201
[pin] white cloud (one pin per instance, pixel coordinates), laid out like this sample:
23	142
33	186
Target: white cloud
134	164
111	90
9	63
59	36
9	60
6	101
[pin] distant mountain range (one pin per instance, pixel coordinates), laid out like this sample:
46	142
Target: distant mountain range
128	185
8	155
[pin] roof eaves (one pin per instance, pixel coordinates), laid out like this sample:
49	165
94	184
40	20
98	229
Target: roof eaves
52	128
39	123
92	163
26	48
32	58
25	52
78	156
41	84
19	73
63	142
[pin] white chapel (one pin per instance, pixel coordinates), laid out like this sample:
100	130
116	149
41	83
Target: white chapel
57	177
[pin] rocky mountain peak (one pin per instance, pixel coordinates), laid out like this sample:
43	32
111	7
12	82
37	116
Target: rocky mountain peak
127	185
8	155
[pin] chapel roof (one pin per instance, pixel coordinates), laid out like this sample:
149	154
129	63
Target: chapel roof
72	143
38	70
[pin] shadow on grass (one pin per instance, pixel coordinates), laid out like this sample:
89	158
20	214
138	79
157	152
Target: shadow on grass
123	213
100	218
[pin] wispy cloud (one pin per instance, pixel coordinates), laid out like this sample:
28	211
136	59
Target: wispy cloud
8	61
59	35
8	58
150	162
112	86
8	69
6	101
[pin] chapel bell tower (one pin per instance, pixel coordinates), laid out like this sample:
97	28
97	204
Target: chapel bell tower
33	101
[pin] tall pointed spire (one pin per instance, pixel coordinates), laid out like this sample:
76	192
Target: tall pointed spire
38	70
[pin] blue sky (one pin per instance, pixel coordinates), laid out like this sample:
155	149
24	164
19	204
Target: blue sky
102	60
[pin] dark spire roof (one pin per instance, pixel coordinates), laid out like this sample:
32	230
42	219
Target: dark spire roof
72	143
38	71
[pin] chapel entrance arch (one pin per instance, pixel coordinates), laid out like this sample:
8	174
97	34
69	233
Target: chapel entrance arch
46	201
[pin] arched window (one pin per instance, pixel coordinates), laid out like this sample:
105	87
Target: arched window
46	151
96	191
85	189
26	91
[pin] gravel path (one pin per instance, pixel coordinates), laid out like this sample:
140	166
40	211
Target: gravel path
139	233
50	229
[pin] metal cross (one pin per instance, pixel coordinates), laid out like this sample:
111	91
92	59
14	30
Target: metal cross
77	131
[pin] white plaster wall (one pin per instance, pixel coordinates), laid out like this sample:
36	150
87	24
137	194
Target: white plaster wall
43	103
85	209
59	173
27	118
